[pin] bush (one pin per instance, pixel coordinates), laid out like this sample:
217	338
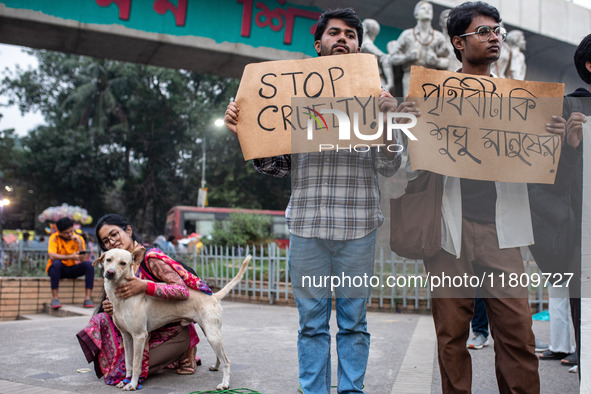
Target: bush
242	229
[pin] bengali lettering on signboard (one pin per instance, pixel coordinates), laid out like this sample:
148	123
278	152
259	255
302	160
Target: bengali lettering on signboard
179	10
276	19
484	128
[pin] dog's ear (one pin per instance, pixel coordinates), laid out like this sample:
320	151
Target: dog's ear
138	255
99	260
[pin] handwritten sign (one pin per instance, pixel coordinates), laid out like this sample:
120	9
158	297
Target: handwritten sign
267	114
484	128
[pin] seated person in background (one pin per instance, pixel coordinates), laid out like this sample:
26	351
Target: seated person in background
174	344
170	248
67	255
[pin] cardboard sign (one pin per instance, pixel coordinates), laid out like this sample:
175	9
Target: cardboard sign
267	114
484	128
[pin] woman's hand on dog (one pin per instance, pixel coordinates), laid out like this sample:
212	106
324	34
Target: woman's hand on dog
108	307
132	287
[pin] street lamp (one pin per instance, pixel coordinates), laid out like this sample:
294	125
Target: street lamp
202	196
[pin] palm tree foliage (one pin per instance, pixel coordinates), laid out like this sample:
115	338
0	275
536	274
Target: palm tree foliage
122	137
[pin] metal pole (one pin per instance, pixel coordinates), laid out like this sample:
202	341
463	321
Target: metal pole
203	146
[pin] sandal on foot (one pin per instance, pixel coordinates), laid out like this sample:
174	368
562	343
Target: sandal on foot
185	371
570	360
188	365
550	355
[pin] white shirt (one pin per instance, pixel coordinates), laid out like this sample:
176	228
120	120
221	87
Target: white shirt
512	215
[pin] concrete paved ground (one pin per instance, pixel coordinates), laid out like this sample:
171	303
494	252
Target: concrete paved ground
42	355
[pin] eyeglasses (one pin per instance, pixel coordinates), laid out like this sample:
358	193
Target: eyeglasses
483	33
112	238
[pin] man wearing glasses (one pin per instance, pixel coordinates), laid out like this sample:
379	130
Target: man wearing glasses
67	259
484	224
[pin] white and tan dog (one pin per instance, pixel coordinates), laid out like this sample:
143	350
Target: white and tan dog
140	314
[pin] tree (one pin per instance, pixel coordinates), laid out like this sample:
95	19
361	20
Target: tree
122	137
21	211
242	229
10	154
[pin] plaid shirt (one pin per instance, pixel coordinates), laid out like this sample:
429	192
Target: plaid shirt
335	195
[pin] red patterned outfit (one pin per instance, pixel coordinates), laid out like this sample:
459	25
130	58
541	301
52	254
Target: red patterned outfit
102	343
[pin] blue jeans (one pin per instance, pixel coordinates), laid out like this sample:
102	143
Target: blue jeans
480	318
58	270
320	258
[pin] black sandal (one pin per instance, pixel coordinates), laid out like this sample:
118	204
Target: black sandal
570	360
550	355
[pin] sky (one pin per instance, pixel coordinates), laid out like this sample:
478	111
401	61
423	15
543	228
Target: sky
10	55
584	3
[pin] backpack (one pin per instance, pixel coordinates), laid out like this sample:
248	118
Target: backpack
415	224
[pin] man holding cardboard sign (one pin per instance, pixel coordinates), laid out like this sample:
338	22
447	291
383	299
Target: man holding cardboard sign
333	214
484	223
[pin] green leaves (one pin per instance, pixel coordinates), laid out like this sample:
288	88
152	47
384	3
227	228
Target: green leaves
122	137
242	229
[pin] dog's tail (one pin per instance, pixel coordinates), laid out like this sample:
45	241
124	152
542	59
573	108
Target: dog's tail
226	289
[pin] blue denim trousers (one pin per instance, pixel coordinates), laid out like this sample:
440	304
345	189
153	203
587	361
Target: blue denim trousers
480	319
342	260
58	270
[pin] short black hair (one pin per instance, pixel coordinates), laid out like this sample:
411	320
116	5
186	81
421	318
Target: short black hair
460	18
582	56
347	15
64	224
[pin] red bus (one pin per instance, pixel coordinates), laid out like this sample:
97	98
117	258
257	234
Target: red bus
182	221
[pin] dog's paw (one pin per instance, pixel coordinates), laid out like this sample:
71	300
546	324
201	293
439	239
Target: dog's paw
213	368
222	386
129	387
